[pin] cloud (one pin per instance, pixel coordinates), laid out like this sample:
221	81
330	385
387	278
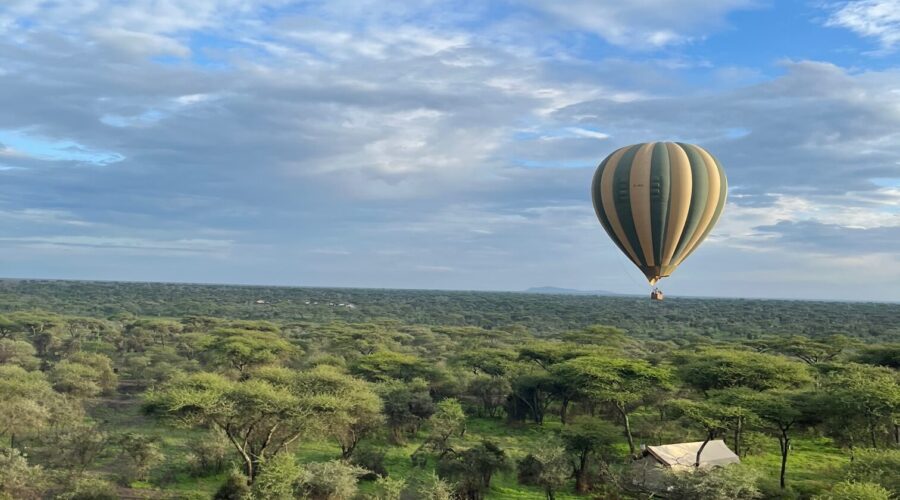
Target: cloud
834	239
646	23
817	129
878	19
408	144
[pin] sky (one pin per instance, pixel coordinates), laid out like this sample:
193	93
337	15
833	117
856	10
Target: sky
443	144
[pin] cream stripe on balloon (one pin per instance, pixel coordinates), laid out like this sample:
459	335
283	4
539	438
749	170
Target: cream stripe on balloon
609	206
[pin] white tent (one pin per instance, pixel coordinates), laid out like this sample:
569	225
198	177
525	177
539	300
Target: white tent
685	454
651	470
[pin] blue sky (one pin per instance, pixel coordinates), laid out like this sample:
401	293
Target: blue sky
443	143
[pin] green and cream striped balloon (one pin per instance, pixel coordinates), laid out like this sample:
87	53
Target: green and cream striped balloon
658	201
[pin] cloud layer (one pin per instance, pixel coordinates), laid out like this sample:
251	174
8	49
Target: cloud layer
430	144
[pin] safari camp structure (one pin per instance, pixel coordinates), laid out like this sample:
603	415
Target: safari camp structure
650	470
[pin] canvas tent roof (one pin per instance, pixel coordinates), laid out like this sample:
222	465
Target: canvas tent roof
685	454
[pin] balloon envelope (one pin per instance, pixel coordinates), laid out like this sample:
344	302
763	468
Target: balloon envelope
658	201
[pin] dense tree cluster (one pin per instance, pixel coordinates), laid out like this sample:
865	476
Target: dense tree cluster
395	407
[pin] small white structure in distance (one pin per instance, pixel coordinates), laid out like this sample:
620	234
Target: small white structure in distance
650	470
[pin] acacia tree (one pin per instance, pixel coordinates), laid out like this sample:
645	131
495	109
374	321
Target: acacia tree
244	350
868	393
716	368
262	415
589	440
474	468
448	419
813	352
780	411
712	417
736	403
26	400
406	406
620	382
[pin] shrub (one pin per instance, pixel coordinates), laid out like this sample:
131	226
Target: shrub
371	459
388	488
277	478
208	455
89	488
235	487
334	480
876	466
432	488
528	470
849	490
718	483
18	479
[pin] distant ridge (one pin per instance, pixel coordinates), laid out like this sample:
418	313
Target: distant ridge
567	291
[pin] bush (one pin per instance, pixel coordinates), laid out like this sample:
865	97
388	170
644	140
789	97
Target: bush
849	490
19	480
432	488
208	455
235	487
717	483
528	470
334	480
89	488
277	478
140	453
388	488
876	466
371	459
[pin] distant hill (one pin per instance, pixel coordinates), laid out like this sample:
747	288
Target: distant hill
567	291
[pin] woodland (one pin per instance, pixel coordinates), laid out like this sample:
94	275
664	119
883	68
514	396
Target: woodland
150	390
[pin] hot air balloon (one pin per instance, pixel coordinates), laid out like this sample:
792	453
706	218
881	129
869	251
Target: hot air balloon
658	201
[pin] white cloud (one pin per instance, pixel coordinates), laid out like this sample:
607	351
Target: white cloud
878	19
644	24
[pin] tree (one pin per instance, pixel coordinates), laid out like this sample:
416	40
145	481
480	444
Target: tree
780	411
361	413
474	468
735	405
447	420
871	393
262	415
406	406
491	392
535	389
385	365
494	362
18	479
18	352
548	467
76	447
813	352
78	379
715	368
623	383
546	353
590	440
27	402
887	354
246	349
711	417
140	453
